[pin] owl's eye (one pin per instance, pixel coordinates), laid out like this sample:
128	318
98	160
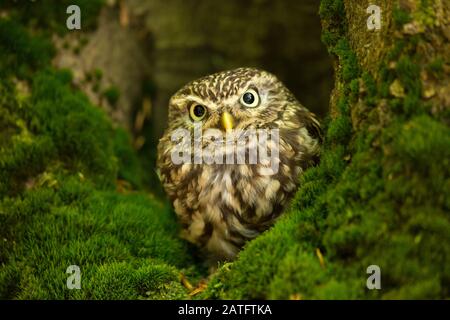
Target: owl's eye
250	99
197	112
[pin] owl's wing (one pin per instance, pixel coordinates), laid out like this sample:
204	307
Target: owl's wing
313	126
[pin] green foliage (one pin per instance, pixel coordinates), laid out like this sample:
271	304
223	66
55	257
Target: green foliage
436	67
124	280
333	13
340	130
112	95
371	88
409	74
400	17
331	9
354	89
80	132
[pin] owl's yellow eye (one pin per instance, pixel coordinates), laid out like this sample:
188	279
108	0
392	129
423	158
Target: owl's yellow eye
250	99
197	112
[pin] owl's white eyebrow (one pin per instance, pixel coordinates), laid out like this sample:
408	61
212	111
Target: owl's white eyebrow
195	98
183	99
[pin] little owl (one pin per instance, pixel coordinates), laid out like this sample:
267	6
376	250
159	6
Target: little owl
223	205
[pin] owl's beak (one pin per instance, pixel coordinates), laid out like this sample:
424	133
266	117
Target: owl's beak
226	121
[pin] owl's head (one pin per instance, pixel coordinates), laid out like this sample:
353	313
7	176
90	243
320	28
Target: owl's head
237	99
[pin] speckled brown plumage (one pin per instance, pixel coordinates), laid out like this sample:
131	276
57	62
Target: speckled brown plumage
221	206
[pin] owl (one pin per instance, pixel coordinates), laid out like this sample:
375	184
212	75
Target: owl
221	205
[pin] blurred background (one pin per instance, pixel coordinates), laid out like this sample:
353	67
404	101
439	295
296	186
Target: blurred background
141	52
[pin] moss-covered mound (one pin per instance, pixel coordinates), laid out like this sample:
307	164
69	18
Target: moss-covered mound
61	202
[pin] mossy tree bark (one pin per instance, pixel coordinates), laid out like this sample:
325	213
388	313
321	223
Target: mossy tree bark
378	196
405	60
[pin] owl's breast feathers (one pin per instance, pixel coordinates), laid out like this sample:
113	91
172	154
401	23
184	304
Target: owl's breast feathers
221	206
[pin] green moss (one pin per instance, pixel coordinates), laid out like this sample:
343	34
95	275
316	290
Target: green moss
408	72
129	165
436	67
354	89
340	130
400	17
330	9
371	88
112	95
399	46
425	15
348	60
